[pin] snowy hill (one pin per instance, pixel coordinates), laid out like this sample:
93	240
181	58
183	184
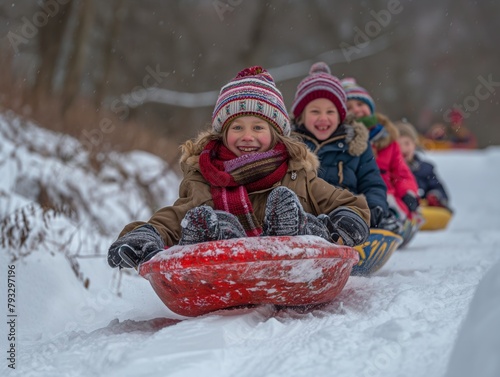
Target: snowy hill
404	321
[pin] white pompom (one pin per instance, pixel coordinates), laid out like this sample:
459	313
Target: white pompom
348	82
320	67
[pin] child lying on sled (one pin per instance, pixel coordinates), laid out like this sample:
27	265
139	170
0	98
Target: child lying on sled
245	178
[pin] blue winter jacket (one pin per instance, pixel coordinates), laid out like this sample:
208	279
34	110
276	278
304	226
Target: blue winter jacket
346	161
427	179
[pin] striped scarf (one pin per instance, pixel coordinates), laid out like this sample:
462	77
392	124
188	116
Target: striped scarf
231	179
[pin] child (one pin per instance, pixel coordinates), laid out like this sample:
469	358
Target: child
402	189
247	177
456	135
319	117
430	187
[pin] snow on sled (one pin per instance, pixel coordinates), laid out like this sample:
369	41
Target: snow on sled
375	252
193	280
436	218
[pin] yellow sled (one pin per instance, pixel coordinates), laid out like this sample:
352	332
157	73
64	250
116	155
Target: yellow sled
436	218
375	252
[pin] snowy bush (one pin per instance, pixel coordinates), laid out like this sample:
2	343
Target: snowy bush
55	198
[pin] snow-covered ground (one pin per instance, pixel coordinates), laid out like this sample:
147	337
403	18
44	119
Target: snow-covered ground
404	321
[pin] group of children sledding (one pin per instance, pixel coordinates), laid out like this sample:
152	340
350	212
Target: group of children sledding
334	169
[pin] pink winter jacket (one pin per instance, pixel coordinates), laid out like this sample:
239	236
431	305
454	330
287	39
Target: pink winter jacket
395	172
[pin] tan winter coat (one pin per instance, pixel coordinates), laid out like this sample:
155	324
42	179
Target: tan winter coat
316	196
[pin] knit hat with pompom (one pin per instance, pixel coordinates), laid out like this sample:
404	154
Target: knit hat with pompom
251	93
320	84
354	91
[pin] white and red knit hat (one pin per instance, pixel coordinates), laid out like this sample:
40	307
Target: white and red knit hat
252	93
354	91
320	84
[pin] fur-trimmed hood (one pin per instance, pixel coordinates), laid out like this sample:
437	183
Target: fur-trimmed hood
391	133
309	164
358	140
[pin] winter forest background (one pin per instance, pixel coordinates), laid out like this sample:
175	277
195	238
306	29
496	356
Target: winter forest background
93	69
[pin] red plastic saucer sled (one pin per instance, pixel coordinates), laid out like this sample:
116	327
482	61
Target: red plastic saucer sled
197	279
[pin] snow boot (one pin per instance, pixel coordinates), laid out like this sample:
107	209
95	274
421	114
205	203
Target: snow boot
203	224
284	215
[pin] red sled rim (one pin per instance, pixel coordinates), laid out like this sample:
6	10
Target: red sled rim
197	279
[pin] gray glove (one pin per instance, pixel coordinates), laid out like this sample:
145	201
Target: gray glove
133	247
348	225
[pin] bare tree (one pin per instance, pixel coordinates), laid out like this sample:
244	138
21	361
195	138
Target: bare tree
119	10
49	48
73	79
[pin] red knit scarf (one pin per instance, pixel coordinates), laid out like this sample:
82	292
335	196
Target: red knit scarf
231	178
